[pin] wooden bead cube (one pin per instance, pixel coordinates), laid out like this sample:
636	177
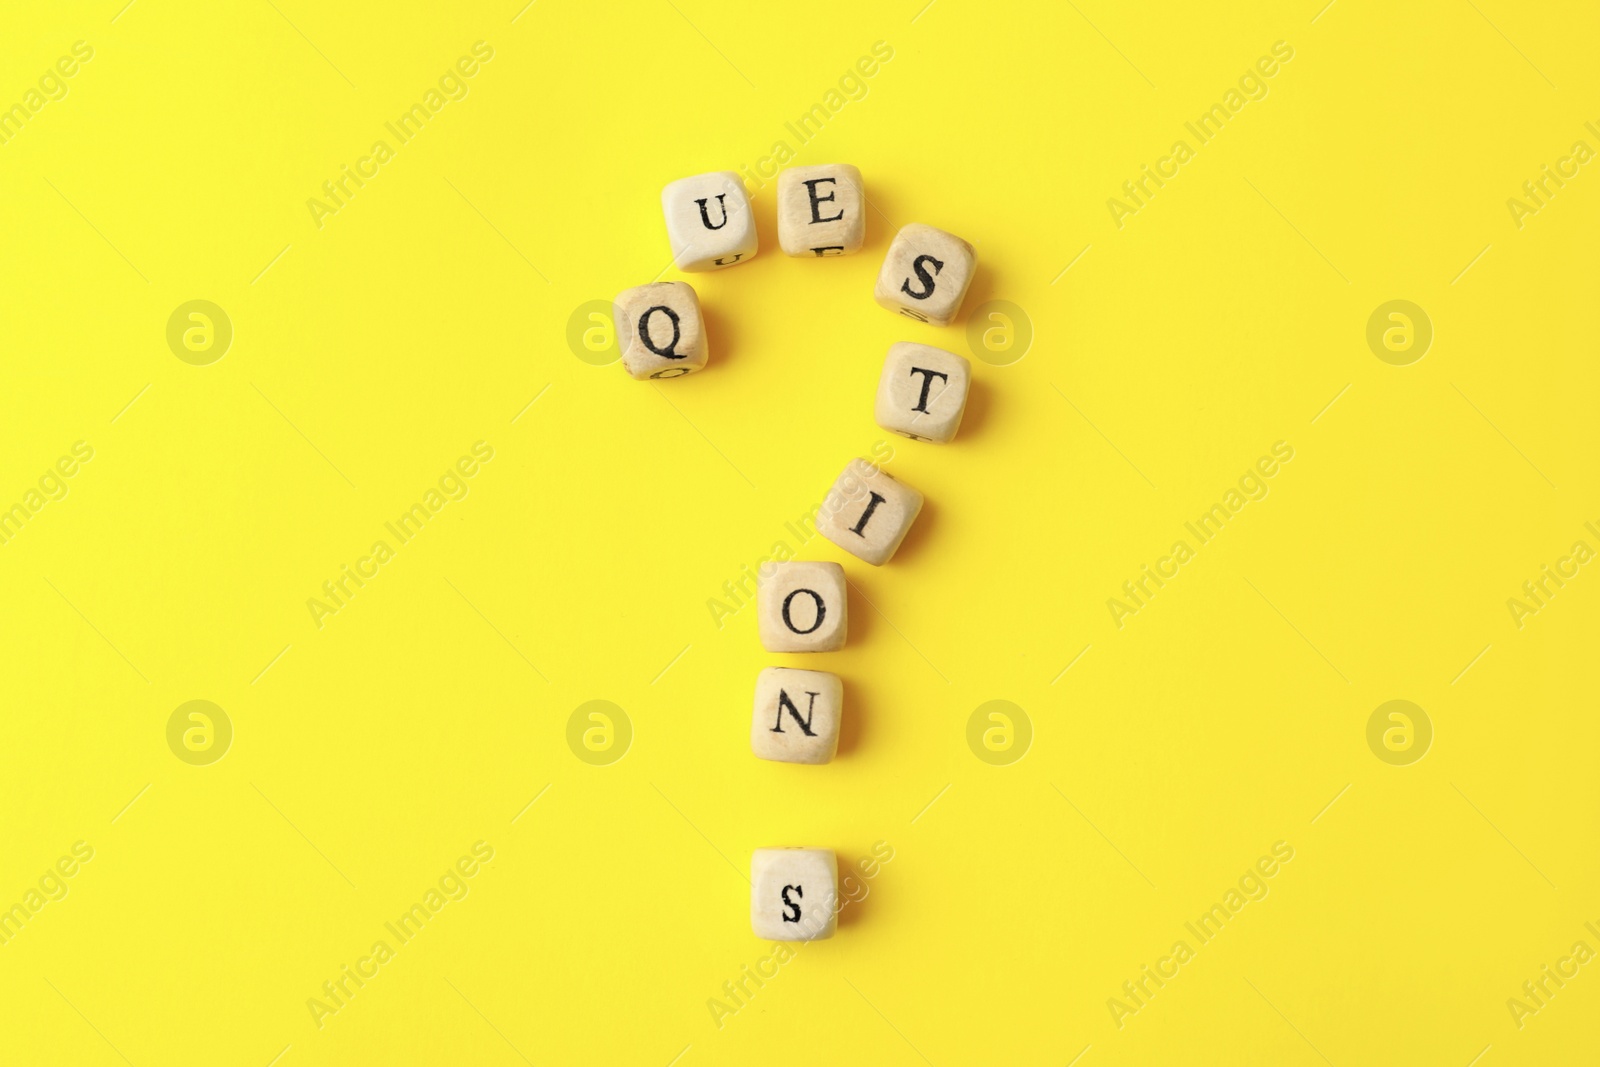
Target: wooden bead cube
923	392
796	716
660	330
926	274
794	893
867	513
802	608
821	210
709	221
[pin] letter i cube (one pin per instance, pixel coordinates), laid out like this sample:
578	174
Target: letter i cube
867	513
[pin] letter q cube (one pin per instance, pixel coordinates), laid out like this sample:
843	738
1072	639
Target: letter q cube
659	330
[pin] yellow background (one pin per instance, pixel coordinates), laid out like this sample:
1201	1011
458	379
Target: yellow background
372	352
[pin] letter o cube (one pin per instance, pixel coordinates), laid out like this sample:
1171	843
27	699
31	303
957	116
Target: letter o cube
794	893
926	274
659	330
709	221
802	608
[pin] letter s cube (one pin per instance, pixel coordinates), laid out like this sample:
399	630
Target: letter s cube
794	893
926	274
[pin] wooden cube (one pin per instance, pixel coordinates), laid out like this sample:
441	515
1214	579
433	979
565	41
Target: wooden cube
794	893
923	392
802	608
796	717
709	221
660	331
867	513
926	274
821	210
